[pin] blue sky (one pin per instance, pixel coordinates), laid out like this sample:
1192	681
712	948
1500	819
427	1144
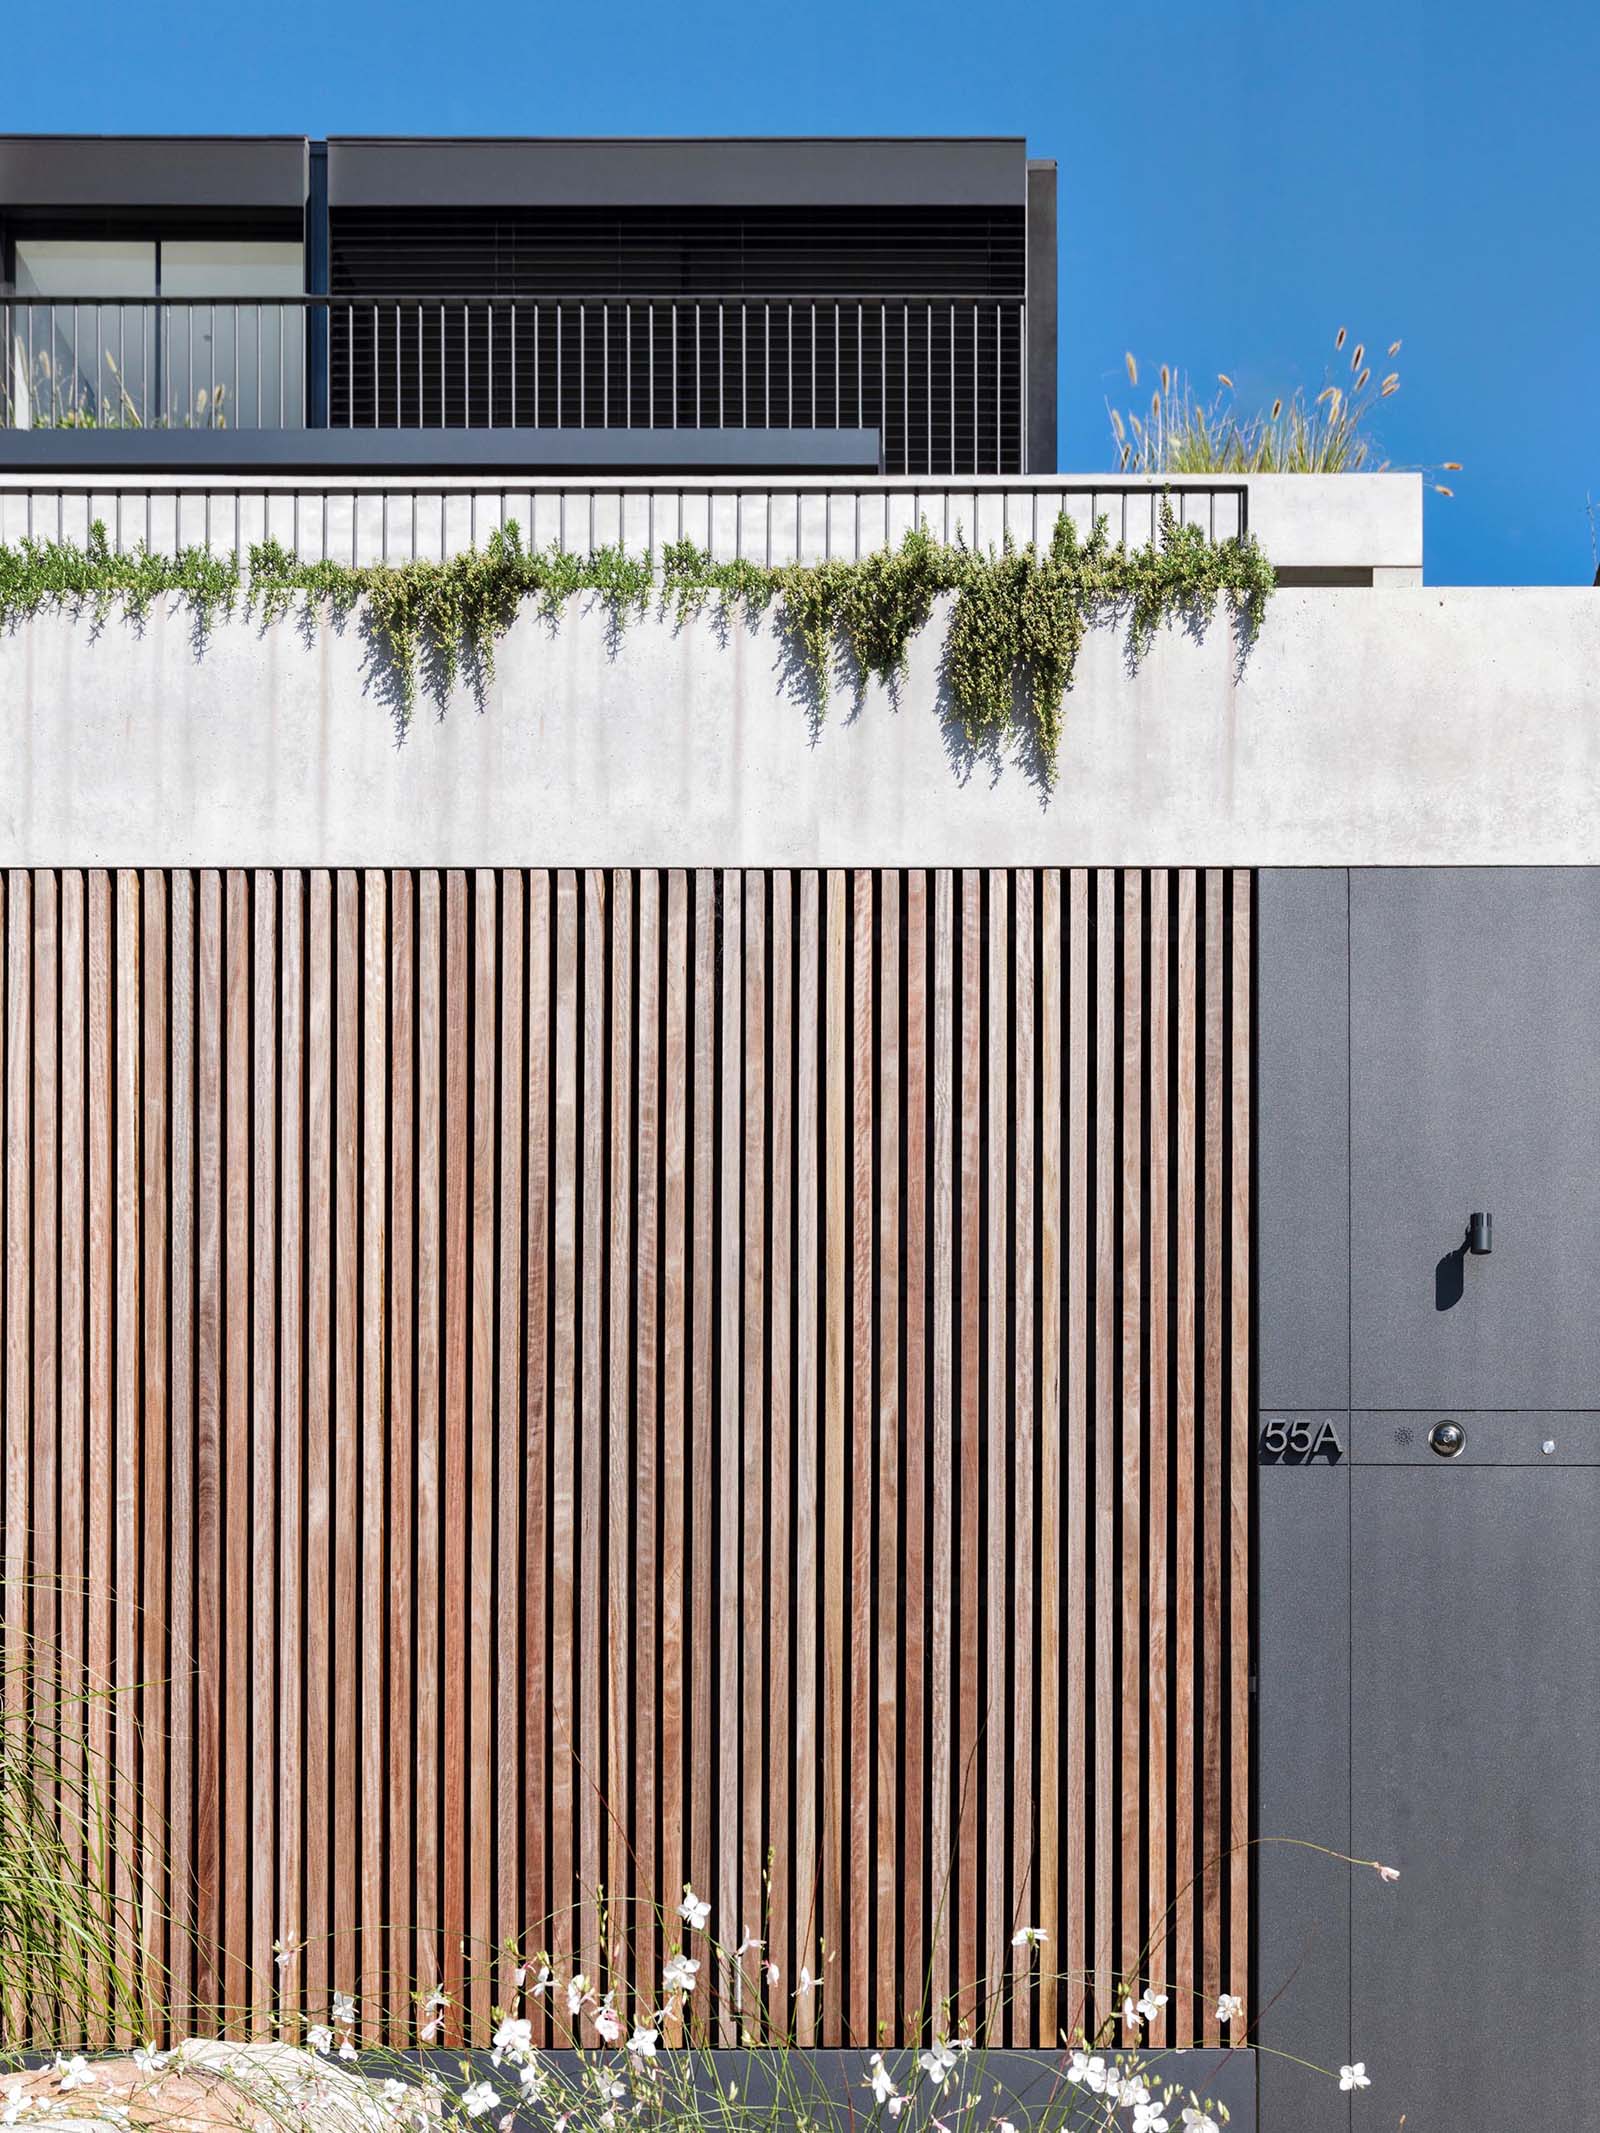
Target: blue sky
1237	180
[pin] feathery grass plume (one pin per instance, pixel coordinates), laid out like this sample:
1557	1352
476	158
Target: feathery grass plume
1327	433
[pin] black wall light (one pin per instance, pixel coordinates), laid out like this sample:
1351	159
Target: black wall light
1480	1235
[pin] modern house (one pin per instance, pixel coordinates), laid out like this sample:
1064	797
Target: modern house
629	1277
710	306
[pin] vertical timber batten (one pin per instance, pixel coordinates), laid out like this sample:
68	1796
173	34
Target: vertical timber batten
572	1380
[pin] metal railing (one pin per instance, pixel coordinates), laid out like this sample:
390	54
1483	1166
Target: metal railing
153	363
941	378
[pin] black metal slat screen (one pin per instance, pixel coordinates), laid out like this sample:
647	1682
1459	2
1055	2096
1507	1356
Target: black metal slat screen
910	322
942	379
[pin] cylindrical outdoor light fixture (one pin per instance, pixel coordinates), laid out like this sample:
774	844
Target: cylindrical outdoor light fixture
1480	1235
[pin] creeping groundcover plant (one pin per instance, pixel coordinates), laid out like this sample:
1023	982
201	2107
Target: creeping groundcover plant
1016	623
92	2028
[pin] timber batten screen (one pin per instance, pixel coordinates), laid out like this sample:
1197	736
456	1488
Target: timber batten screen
536	1382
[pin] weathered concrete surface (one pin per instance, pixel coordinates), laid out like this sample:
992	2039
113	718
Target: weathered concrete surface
1394	727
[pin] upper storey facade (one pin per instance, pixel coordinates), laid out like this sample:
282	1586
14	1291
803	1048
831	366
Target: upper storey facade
806	306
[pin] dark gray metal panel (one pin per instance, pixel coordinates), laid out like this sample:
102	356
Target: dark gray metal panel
1552	1437
1302	1137
411	452
364	172
1476	1721
1026	2083
1475	1032
1042	319
132	171
1302	1792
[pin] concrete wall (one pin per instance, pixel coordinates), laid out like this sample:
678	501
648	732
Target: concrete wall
1364	728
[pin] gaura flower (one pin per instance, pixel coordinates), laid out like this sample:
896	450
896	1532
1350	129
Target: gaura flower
881	2083
694	1910
680	1973
642	2043
1229	2008
577	1992
1029	1937
148	2060
512	2040
479	2098
73	2073
320	2037
344	2010
939	2062
607	2025
1388	1873
1354	2077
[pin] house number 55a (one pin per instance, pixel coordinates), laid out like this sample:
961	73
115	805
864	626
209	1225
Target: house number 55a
1287	1441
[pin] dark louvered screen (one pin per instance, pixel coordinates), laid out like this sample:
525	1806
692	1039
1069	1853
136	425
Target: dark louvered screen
666	252
940	379
909	322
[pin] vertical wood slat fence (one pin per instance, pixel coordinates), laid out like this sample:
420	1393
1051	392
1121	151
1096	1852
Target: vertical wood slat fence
536	1382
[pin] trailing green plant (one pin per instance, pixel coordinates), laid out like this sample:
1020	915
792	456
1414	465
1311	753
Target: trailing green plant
1017	620
1180	433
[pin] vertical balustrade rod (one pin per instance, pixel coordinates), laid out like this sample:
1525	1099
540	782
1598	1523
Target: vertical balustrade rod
952	388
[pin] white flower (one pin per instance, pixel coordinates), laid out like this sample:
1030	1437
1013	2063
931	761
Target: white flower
433	2011
16	2103
607	2022
479	2098
749	1941
148	2060
512	2040
1029	1937
347	2050
642	2043
807	1983
320	2037
1388	1873
938	2062
577	1992
881	2082
543	1982
283	1955
680	1973
519	1977
1354	2077
1229	2008
344	2010
1087	2072
694	1910
773	1972
1198	2121
73	2072
396	2091
1144	2009
1150	2118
